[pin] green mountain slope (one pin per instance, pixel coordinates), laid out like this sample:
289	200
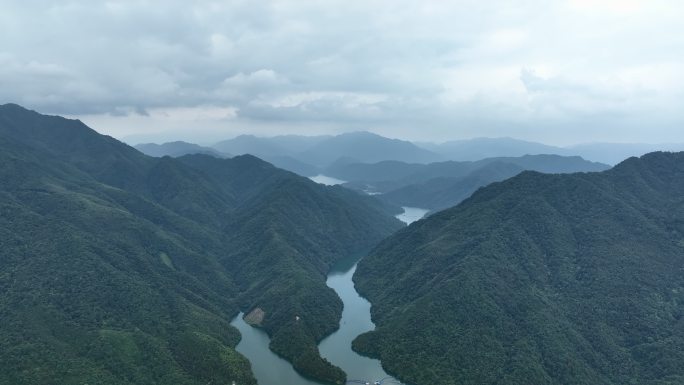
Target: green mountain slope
122	268
540	279
94	292
283	238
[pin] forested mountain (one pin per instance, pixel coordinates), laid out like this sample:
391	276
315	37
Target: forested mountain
540	279
365	147
120	268
440	185
481	148
176	149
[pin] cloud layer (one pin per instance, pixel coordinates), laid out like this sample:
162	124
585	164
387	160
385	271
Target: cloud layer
556	71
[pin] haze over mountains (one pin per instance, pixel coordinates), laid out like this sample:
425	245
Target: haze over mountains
402	172
444	184
176	149
311	155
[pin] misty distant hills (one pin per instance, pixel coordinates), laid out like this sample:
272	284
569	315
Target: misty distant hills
613	153
366	147
440	185
292	164
283	145
608	153
481	148
121	268
303	154
539	279
313	155
443	192
406	173
320	152
176	149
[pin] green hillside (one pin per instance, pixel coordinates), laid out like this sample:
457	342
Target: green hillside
540	279
119	268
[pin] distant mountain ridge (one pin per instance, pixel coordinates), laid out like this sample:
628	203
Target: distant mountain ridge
312	155
178	148
613	153
436	186
309	154
482	148
367	148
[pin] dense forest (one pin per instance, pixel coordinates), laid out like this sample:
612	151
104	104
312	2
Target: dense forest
120	268
540	279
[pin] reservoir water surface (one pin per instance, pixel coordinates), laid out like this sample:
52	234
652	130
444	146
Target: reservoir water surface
269	369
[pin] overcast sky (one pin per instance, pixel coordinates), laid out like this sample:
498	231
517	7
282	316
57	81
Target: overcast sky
556	71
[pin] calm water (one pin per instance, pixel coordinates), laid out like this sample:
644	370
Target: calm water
411	214
268	368
326	180
355	320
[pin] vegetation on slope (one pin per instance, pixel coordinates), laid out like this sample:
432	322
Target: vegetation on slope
86	294
440	185
542	279
121	268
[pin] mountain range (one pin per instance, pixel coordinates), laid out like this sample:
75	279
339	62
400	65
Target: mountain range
313	155
539	279
179	148
437	186
120	268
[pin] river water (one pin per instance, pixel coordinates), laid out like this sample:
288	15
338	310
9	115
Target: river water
326	180
269	369
411	214
356	320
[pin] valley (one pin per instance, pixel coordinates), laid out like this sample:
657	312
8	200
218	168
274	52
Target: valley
342	193
196	240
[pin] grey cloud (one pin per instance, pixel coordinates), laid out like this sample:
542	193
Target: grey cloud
433	68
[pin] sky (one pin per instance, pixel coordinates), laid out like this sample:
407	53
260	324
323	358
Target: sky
555	71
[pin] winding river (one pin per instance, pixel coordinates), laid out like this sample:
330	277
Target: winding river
269	369
355	320
411	214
